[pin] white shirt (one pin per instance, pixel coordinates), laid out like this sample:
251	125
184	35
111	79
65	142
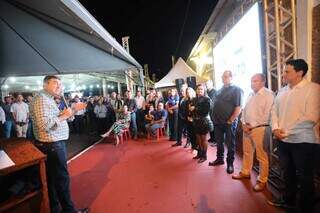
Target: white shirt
297	110
258	107
2	116
140	101
21	110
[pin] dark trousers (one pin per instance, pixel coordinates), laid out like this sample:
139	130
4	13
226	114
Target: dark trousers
57	176
180	129
226	133
297	164
102	125
173	119
191	135
133	124
78	123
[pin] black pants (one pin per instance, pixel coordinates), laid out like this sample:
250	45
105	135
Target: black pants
191	135
102	125
226	133
173	119
181	127
78	123
297	164
57	175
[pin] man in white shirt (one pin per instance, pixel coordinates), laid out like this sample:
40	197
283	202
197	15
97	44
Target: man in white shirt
78	117
2	120
255	121
294	116
20	112
140	112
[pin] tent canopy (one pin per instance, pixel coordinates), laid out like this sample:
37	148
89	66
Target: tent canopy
179	70
58	37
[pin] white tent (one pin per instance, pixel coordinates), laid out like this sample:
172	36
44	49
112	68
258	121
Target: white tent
179	71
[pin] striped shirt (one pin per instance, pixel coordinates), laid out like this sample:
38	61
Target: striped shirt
44	115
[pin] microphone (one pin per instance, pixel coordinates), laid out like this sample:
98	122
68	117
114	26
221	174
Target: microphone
64	100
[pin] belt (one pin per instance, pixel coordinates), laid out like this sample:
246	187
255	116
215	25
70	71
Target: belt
262	125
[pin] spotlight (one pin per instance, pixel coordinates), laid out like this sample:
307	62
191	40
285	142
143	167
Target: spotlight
12	79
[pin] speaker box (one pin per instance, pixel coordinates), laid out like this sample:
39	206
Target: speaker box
179	83
191	81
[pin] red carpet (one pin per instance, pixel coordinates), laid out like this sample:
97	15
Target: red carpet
157	178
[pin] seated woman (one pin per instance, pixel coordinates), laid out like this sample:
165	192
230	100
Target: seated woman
122	123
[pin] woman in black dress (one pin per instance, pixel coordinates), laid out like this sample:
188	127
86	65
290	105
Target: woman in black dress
202	122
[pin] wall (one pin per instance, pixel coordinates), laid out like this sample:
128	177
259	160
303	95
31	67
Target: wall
316	44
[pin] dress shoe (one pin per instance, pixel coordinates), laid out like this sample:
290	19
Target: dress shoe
280	203
186	145
240	176
176	144
216	162
201	160
85	210
259	186
230	169
196	157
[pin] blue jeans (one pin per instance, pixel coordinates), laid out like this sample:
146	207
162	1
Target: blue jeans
153	128
30	130
57	176
133	124
226	133
7	128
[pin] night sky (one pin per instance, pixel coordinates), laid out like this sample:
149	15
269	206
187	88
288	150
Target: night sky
154	27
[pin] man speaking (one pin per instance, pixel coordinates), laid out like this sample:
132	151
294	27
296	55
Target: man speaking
51	132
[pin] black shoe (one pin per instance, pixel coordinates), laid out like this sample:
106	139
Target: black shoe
176	144
213	144
280	203
216	162
172	139
203	159
230	169
186	145
85	210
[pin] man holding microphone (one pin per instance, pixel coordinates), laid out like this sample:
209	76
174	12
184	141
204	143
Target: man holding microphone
51	132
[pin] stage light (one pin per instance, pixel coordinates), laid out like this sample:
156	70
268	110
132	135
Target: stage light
84	87
112	87
98	86
27	87
91	86
38	82
12	79
5	86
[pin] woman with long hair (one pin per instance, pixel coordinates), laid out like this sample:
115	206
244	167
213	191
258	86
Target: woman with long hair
191	137
201	121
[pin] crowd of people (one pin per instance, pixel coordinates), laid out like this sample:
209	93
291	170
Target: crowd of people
194	114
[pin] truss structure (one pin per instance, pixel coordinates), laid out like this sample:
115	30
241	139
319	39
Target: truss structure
280	35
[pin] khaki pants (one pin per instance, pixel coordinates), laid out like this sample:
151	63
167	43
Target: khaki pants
254	141
22	131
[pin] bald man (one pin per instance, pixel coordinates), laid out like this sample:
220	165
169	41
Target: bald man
226	110
255	122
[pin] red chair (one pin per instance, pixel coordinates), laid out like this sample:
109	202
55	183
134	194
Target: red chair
126	133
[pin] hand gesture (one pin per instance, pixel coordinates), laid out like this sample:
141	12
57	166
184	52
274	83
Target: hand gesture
79	106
